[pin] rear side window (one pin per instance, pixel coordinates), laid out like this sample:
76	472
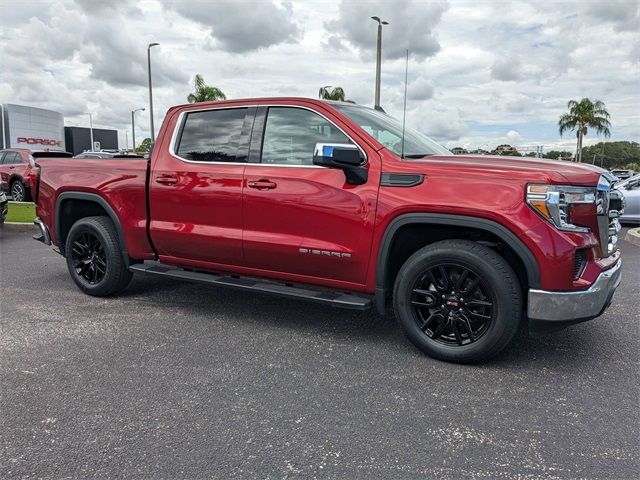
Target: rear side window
2	154
211	136
291	134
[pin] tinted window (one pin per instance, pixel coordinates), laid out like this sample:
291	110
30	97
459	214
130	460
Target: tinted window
212	136
2	157
291	134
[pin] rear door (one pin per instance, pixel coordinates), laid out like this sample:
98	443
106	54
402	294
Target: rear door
300	218
195	191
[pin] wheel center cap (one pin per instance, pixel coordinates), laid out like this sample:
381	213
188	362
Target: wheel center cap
452	302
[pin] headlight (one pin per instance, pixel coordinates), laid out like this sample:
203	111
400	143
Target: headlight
554	202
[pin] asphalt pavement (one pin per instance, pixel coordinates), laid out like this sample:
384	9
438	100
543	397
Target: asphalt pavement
177	380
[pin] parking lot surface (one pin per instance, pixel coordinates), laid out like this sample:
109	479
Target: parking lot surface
176	380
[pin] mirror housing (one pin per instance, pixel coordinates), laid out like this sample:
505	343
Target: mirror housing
344	156
337	155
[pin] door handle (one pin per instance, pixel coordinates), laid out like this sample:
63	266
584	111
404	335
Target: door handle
167	179
263	184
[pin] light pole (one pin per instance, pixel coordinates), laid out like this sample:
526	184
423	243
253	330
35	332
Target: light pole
378	58
133	126
153	135
91	131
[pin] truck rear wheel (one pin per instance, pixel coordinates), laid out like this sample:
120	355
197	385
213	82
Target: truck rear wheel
94	257
458	301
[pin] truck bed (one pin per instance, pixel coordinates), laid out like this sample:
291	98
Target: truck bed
119	182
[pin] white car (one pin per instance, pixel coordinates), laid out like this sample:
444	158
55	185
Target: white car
631	190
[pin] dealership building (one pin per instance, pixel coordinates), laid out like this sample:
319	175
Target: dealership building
40	129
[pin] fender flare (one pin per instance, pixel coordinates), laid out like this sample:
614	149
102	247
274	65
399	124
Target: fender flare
92	197
503	233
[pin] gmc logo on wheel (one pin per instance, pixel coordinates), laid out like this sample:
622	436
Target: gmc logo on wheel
40	141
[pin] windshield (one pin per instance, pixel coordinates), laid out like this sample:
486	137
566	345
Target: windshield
388	131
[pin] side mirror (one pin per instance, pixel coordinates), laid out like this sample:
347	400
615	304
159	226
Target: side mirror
344	156
337	155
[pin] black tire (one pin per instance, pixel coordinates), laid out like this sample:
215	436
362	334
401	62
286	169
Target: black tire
443	324
94	257
19	192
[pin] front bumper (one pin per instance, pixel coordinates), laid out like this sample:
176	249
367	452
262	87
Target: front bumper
573	307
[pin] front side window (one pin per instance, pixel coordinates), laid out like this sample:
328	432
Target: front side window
290	136
11	158
211	136
388	131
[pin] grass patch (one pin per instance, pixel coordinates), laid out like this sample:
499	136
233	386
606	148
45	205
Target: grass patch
21	212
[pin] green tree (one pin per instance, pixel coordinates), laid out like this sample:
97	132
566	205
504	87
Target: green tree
337	93
611	155
144	146
581	116
556	154
203	92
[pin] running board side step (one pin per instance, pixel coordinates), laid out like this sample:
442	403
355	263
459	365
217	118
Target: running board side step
335	298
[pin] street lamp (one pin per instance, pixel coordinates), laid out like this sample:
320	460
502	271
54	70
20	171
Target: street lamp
91	130
378	58
153	135
133	126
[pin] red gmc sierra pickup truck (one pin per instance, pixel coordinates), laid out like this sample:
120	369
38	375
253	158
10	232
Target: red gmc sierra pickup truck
330	202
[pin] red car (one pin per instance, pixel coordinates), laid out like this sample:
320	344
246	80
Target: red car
335	203
17	172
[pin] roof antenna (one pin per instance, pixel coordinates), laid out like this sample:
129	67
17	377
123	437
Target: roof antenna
404	110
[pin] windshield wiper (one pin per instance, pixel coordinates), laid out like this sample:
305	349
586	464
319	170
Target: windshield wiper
417	155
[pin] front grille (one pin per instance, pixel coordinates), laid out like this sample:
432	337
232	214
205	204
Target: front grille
579	264
610	207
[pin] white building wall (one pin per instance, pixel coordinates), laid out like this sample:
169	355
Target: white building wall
34	128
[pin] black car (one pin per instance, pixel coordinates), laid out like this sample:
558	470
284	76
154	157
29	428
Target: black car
4	204
106	154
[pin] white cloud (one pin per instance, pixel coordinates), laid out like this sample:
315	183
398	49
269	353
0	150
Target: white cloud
478	70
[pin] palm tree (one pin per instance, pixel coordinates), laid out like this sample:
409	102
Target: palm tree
203	92
337	93
582	115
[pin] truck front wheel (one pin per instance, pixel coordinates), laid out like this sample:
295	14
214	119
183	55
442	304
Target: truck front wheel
94	257
458	301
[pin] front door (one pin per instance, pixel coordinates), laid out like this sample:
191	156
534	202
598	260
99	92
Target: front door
300	218
195	192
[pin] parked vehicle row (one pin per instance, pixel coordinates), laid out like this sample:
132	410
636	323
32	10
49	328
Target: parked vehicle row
338	204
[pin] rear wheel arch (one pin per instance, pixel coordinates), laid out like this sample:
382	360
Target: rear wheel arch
72	206
408	233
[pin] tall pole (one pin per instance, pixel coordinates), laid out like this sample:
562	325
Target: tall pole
153	135
133	126
378	59
91	131
133	129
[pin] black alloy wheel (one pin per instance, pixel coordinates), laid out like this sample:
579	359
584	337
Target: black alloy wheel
95	258
89	258
458	300
452	305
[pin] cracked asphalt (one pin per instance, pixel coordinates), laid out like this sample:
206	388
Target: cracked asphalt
176	380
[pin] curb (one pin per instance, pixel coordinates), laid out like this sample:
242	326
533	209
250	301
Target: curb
19	227
633	236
